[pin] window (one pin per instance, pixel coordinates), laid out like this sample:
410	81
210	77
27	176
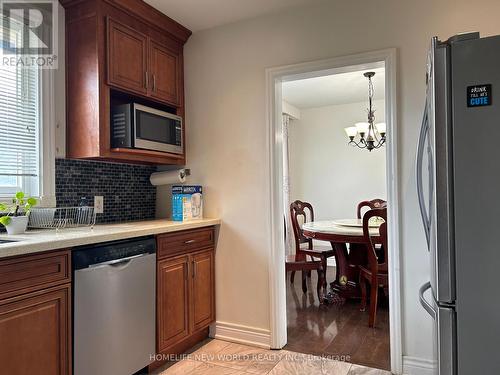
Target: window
19	124
19	130
27	124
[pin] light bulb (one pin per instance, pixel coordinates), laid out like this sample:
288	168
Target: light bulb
381	127
351	131
362	127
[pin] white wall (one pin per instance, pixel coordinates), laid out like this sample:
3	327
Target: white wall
227	140
324	170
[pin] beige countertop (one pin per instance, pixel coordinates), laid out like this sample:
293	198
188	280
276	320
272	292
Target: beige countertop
35	241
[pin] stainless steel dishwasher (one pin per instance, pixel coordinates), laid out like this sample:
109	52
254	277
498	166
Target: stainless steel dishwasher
114	307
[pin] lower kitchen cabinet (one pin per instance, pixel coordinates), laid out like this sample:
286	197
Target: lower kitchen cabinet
35	332
173	301
35	314
202	296
186	289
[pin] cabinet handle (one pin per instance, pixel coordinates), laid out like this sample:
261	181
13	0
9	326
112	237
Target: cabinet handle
154	82
194	269
189	242
146	80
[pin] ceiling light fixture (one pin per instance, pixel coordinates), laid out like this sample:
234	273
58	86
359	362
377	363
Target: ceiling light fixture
370	136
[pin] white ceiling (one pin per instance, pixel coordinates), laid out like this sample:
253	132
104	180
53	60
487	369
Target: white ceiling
342	88
203	14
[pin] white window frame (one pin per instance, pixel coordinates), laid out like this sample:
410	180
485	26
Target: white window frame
47	143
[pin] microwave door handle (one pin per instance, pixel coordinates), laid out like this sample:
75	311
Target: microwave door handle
419	160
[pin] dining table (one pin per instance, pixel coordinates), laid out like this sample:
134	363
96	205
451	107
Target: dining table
344	233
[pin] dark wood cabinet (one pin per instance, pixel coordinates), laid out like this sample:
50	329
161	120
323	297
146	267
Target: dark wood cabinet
172	301
35	329
186	288
35	318
139	64
127	57
119	49
202	298
164	67
185	241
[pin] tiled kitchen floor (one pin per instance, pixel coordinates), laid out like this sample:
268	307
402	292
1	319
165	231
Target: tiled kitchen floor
217	357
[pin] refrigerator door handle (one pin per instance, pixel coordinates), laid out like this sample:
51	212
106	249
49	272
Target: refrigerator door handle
420	192
426	305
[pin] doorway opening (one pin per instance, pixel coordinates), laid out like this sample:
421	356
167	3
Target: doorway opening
326	175
309	105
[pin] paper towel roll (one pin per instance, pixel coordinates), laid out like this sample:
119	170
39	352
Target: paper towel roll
169	177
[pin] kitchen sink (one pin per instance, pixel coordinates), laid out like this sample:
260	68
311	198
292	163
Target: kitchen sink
2	241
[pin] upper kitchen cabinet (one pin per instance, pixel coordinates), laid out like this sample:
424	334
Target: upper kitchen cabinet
127	58
165	69
139	64
118	52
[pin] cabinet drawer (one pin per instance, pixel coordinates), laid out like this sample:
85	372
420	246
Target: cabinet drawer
25	274
189	240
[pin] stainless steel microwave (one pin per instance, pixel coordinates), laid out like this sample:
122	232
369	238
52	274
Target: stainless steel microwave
137	126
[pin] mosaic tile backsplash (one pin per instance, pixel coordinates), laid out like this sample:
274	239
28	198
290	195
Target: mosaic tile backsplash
128	194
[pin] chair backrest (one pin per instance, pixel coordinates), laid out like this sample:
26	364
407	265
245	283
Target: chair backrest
303	210
374	203
375	266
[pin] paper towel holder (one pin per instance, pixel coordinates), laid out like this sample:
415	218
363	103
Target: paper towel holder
185	172
177	176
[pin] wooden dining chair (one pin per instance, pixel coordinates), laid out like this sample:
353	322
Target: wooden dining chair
374	203
297	262
371	204
306	212
375	273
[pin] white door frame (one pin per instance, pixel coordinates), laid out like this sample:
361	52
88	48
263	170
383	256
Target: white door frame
274	77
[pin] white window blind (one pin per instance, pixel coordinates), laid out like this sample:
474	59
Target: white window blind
19	127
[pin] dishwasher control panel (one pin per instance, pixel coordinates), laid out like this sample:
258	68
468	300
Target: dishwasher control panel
86	256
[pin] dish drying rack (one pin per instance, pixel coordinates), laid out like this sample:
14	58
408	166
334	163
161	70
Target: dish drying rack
62	217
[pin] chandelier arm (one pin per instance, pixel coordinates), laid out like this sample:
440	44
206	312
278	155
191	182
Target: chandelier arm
380	143
357	144
363	145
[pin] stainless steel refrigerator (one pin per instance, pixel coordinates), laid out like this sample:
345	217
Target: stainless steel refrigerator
458	184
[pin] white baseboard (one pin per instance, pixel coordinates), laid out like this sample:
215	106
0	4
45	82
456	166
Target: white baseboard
241	334
418	366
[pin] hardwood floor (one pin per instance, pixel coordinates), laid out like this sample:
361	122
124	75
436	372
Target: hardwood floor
340	332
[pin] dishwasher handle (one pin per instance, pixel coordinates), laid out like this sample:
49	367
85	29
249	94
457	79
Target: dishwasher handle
122	262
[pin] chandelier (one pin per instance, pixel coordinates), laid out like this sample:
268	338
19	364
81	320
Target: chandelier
370	136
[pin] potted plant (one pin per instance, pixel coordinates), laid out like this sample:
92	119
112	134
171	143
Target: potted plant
15	214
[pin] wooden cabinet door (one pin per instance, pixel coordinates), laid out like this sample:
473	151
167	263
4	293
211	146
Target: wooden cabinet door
164	66
173	301
203	289
35	333
127	58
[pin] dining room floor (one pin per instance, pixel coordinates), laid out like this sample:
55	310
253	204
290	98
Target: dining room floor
337	331
216	357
